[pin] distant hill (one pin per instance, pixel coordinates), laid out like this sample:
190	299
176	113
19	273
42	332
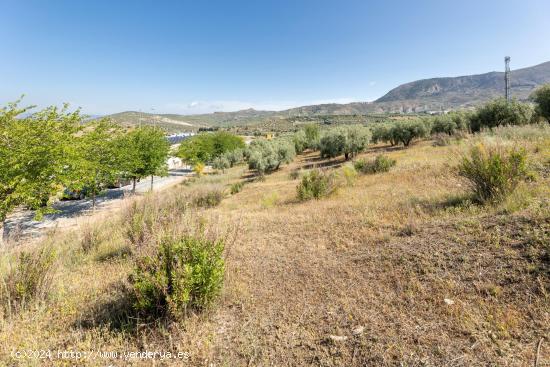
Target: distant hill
434	94
466	91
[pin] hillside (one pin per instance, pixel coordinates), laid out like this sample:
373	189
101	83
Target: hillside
434	94
465	91
381	273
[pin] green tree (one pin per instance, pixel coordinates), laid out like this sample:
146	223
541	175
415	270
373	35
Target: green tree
500	112
207	146
35	152
268	155
146	150
346	140
541	97
313	134
406	131
99	157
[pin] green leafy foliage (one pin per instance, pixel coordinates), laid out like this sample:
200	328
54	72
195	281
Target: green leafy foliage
493	172
347	140
316	184
379	164
407	131
35	152
541	97
268	155
145	150
500	113
206	147
183	275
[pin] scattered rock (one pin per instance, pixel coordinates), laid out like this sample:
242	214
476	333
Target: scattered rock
338	338
449	301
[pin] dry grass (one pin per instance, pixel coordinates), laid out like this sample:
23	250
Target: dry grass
400	269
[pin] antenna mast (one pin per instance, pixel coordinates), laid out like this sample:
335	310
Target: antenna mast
507	77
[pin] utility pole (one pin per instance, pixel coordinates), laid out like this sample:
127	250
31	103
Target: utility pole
507	78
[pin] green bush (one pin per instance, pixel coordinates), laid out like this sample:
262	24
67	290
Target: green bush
28	279
350	174
379	164
208	198
206	147
221	163
500	113
316	185
236	187
183	275
444	125
493	173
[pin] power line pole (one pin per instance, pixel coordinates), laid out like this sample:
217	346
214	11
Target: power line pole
507	78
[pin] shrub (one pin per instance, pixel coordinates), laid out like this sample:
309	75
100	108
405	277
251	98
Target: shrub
500	112
29	279
236	187
312	133
221	163
198	168
350	175
294	174
182	275
90	238
493	173
208	198
300	141
140	218
379	164
316	184
270	200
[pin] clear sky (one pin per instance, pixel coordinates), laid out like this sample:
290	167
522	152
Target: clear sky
203	56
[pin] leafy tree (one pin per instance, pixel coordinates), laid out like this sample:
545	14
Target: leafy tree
406	131
541	97
146	150
313	134
268	155
234	157
99	157
347	140
221	163
300	141
443	125
34	154
205	147
500	112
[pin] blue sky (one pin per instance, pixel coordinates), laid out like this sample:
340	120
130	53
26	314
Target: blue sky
203	56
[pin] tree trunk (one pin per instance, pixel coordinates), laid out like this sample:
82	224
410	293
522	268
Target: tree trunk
151	182
346	155
133	185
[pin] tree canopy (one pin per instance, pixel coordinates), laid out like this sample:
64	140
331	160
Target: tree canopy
207	146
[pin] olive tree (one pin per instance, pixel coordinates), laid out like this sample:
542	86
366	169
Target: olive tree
268	155
500	112
346	140
541	97
406	131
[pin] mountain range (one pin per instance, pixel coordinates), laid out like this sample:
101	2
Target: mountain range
435	94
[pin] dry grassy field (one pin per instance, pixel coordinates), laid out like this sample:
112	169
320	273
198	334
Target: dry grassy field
399	268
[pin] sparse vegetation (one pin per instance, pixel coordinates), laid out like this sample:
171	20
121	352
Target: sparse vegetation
316	184
28	279
236	187
209	197
379	164
494	172
183	275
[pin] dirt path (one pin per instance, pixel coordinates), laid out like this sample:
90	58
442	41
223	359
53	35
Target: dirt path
69	213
